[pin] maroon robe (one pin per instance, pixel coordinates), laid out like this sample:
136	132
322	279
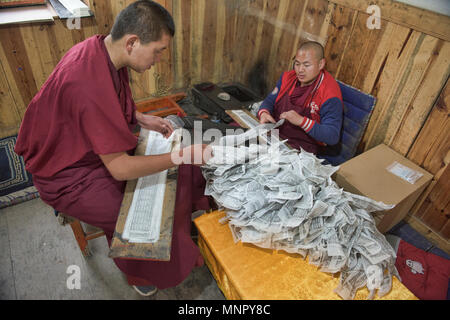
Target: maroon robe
296	136
84	109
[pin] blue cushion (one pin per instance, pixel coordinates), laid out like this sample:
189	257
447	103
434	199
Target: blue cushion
358	107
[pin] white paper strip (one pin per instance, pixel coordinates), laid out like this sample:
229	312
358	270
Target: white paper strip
143	222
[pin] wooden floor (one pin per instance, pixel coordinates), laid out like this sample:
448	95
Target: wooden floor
35	253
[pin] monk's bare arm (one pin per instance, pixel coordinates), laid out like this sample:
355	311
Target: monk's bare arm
125	167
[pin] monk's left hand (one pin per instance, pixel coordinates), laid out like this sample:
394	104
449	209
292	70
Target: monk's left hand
293	117
154	123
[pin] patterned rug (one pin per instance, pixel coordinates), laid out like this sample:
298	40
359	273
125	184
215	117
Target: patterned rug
16	185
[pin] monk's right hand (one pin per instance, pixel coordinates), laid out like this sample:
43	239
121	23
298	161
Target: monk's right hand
196	154
265	117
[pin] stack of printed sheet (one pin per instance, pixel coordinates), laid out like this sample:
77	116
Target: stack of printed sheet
278	198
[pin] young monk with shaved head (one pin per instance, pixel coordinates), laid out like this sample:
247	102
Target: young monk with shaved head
309	99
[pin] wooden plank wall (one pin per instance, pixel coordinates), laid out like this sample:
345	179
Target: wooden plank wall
404	64
28	55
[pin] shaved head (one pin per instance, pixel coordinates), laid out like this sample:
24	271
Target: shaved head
309	62
315	47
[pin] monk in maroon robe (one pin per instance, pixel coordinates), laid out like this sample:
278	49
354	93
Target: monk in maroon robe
76	138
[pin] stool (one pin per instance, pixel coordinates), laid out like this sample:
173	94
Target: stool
81	236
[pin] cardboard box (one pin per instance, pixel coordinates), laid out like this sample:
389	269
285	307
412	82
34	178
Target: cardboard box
368	175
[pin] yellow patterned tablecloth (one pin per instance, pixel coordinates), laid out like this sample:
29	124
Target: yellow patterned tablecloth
244	271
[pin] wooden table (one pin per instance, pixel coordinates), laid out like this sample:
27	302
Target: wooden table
244	271
159	250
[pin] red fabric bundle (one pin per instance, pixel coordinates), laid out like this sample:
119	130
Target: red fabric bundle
424	273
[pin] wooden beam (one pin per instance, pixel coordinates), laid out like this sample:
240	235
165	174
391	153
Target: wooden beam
301	19
279	30
389	64
429	22
431	149
165	68
9	115
230	54
17	67
103	15
209	32
410	105
339	32
197	24
435	77
255	13
220	38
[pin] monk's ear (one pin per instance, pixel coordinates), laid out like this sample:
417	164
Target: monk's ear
322	63
130	42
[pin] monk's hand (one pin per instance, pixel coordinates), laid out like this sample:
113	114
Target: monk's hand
293	117
265	117
196	154
154	123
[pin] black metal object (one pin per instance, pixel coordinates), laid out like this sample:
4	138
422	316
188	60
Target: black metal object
205	124
205	96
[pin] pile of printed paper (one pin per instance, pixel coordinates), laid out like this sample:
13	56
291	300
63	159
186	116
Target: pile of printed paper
278	198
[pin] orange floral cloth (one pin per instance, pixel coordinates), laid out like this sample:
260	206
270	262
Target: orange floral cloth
244	271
